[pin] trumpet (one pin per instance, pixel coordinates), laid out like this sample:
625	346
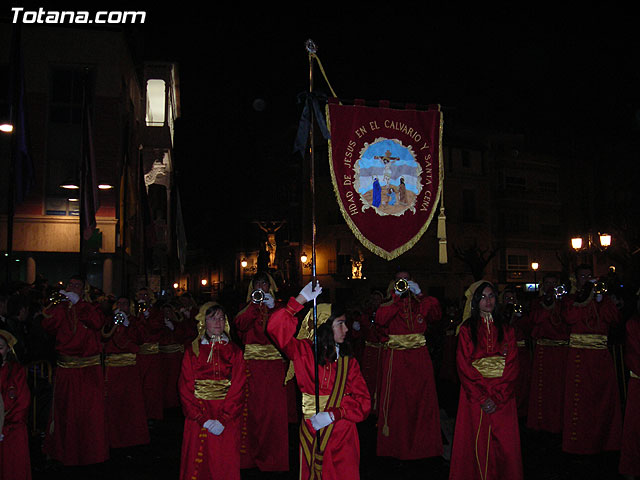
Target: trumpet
56	298
517	308
599	288
119	317
559	291
141	307
257	296
401	286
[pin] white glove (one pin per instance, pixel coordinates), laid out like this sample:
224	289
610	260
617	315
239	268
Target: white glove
269	301
72	296
214	427
1	437
146	313
598	297
308	293
321	420
414	287
169	324
356	326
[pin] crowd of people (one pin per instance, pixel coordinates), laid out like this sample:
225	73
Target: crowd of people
101	369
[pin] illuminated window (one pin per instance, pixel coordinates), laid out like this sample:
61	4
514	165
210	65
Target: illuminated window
155	103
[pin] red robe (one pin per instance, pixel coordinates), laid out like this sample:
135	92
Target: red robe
342	454
550	334
265	437
77	432
171	346
630	451
408	412
206	456
15	463
522	328
486	446
592	415
152	329
126	415
371	356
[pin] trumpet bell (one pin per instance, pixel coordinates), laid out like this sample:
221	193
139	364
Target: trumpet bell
401	285
599	288
57	297
119	318
257	296
141	307
560	291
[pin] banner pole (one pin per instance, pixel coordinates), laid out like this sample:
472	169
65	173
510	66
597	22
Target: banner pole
311	50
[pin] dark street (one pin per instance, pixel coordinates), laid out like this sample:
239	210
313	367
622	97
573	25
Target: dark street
542	458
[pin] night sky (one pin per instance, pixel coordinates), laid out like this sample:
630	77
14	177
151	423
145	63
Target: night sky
557	78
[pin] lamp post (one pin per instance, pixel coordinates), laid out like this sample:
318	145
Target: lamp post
534	267
590	243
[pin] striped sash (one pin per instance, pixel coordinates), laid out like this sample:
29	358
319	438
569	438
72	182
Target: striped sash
314	443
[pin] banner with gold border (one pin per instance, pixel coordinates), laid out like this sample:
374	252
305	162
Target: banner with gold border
386	169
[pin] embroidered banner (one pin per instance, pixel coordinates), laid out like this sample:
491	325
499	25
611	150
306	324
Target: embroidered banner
386	169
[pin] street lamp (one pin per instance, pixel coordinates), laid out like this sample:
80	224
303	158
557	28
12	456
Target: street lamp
244	263
204	282
304	260
534	267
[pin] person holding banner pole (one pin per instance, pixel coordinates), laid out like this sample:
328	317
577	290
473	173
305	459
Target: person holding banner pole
329	443
408	411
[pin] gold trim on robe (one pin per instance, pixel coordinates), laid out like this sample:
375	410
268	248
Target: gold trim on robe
588	340
633	375
406	342
149	349
549	342
256	351
211	389
120	359
309	404
490	367
65	361
172	348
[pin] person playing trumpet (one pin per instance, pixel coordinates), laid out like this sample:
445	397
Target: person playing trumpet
76	434
408	412
265	436
550	334
592	410
126	415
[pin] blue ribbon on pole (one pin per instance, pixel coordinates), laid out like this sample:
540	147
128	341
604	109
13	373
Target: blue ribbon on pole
312	103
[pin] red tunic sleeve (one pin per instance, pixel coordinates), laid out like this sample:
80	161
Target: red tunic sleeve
234	401
356	402
470	379
501	389
16	395
282	326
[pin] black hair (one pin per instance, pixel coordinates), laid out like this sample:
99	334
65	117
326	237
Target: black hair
326	342
261	276
475	318
584	266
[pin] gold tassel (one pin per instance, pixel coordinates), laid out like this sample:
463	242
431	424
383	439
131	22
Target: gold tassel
442	235
442	253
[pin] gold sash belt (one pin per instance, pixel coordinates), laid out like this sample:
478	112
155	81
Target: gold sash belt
588	340
490	367
309	404
120	359
633	375
372	344
549	342
255	351
149	349
211	389
78	362
521	343
173	348
406	342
